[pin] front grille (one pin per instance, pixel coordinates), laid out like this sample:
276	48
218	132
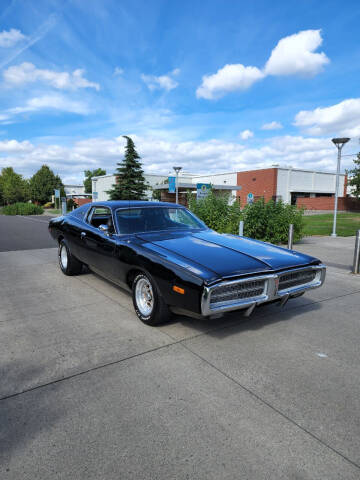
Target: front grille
295	279
237	291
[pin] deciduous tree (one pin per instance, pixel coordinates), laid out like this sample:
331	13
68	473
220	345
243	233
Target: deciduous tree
43	183
89	174
354	177
13	187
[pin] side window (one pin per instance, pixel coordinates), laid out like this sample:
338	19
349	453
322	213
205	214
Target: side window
100	216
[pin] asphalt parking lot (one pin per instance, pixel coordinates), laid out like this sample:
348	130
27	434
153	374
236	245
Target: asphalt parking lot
24	232
89	392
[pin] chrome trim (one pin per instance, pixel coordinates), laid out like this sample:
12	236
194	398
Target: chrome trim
226	306
317	282
270	293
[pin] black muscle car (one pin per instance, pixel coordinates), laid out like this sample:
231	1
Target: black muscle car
172	262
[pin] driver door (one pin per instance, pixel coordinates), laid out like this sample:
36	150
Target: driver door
98	247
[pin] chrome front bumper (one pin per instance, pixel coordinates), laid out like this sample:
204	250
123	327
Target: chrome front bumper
271	290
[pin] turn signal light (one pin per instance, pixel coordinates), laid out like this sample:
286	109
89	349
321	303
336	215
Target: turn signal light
178	290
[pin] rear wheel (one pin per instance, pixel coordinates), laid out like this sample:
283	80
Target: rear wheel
148	302
69	265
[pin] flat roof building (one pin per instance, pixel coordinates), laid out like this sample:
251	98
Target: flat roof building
288	184
285	183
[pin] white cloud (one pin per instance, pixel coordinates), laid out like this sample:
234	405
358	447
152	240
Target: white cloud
52	102
340	119
159	155
294	55
245	134
118	71
272	126
228	79
18	75
165	82
9	38
13	146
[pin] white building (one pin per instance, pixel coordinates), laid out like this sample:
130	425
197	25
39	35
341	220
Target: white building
284	183
103	183
294	182
74	190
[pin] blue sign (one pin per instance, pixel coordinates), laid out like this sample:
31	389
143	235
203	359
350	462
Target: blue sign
57	193
250	198
95	195
202	190
172	184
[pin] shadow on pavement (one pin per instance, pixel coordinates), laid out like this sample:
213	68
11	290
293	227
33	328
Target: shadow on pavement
20	419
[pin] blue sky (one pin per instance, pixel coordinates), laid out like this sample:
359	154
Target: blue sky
211	85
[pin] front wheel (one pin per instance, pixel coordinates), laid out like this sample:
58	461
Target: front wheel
148	302
68	263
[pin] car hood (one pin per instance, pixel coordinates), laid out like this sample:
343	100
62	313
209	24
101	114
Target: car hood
225	255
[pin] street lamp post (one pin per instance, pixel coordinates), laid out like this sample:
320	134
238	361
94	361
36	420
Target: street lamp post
177	170
339	143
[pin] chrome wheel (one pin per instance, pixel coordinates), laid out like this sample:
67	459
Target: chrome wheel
63	257
144	297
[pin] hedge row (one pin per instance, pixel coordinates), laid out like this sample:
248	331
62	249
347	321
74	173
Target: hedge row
22	209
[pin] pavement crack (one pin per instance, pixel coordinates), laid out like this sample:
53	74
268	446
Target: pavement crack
269	405
89	370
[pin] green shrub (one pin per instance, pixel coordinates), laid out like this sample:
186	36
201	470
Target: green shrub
270	221
215	211
22	209
70	205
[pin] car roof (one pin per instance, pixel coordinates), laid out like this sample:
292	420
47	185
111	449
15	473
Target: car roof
133	203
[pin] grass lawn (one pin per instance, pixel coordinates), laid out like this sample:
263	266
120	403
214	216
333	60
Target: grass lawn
347	224
53	211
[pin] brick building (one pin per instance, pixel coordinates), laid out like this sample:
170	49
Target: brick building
288	184
309	188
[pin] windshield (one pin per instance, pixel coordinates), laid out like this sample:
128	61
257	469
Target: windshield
150	219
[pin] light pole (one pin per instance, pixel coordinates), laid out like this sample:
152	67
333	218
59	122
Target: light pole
339	143
177	170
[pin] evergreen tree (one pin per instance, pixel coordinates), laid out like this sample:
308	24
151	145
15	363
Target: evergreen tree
89	174
130	182
354	176
43	183
13	188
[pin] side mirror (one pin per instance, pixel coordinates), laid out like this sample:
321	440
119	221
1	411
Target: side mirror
104	229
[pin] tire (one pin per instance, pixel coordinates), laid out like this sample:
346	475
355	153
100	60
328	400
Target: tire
148	303
69	265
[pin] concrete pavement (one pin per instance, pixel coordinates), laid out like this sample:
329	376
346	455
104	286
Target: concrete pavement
88	392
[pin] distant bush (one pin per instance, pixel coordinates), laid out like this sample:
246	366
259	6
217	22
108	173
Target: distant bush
269	221
216	213
22	209
70	205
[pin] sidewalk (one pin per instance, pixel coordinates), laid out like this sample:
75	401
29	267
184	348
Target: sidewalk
336	252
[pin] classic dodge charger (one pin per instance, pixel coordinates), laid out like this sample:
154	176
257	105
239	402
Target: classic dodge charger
172	262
